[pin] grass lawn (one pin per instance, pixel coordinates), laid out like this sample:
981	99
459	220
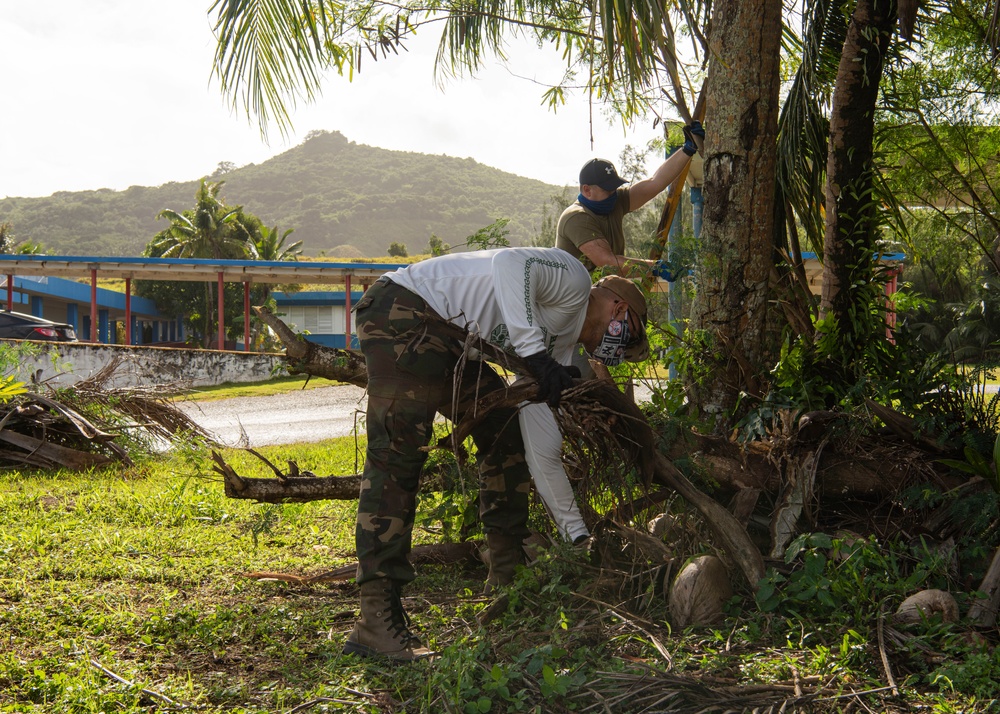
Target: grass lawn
276	385
125	590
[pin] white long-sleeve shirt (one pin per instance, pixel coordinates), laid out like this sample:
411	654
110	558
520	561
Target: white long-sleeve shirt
524	300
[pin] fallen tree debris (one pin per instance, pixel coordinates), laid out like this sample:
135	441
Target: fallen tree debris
775	484
294	487
619	432
305	357
89	424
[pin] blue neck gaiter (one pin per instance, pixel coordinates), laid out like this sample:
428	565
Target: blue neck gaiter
601	208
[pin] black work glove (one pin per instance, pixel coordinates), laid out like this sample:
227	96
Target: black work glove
690	132
551	376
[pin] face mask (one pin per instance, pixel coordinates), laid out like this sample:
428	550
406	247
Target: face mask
611	350
601	208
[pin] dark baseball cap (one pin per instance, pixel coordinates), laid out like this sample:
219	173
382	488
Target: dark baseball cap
601	172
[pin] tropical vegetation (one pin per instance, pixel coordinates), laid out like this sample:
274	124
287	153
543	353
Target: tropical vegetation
10	244
807	176
862	457
214	230
834	127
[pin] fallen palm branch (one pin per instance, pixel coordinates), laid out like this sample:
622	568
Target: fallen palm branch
88	424
596	413
615	428
147	407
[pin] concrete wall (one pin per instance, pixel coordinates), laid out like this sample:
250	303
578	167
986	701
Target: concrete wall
67	363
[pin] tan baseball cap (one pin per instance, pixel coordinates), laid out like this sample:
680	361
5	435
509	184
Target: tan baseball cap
638	349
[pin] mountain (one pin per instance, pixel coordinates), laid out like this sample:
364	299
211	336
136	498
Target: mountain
341	198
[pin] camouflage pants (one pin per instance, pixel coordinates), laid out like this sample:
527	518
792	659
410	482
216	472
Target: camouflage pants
411	367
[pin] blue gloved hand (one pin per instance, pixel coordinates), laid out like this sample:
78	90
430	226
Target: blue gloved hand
666	270
690	132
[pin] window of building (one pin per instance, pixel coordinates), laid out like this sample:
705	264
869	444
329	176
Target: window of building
314	319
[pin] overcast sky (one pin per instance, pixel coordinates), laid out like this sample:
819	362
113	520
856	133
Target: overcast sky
115	93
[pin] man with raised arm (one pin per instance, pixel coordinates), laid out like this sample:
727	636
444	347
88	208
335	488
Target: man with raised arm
591	228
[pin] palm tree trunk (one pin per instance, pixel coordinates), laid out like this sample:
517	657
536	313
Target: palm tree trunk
741	116
849	241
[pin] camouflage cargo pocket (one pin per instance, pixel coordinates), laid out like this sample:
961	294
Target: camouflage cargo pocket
404	351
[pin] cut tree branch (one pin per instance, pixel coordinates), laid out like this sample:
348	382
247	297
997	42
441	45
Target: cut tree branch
286	489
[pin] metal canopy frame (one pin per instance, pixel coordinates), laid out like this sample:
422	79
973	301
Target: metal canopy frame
192	270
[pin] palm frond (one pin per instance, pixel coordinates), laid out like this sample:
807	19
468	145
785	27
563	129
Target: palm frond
803	125
270	50
272	53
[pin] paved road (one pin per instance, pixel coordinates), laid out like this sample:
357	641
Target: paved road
302	416
305	415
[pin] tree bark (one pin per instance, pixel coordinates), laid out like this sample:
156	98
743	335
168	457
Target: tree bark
295	489
983	611
840	473
310	358
735	260
44	454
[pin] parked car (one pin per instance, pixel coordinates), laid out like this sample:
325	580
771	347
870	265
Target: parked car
19	326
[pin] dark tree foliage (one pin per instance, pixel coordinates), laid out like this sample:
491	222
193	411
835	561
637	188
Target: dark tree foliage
213	230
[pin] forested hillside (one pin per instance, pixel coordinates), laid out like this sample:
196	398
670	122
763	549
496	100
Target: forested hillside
343	198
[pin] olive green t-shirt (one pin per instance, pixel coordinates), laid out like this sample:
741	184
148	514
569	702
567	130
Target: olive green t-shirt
578	225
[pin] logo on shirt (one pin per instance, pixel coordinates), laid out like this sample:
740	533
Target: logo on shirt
500	336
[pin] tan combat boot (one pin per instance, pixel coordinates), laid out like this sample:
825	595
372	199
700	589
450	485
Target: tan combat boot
384	627
506	552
